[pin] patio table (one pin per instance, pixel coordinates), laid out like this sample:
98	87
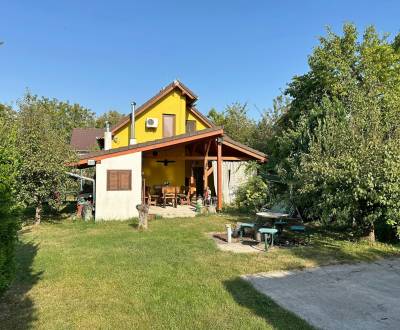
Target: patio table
275	216
272	215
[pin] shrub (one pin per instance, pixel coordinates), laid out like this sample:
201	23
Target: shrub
252	195
8	238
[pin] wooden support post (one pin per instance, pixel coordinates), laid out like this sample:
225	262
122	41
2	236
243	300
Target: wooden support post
205	166
205	178
219	176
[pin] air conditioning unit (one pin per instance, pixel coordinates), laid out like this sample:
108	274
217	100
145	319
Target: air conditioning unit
151	122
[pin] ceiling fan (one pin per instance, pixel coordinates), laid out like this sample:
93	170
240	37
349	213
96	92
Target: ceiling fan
165	161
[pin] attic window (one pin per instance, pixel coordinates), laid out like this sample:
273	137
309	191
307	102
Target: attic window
190	126
119	180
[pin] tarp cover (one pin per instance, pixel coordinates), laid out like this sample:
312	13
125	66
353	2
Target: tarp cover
234	174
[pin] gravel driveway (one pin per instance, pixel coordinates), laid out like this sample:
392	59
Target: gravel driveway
359	296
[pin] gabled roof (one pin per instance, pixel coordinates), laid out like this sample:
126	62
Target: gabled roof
216	131
145	106
84	139
240	146
199	115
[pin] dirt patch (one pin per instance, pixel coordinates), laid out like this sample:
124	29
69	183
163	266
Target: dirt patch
246	246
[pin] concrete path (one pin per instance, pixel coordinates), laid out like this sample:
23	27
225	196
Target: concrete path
237	247
361	296
181	211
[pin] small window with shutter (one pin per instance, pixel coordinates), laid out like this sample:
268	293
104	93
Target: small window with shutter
119	179
190	126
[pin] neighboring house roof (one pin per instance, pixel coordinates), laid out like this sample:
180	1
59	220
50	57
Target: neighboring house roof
175	84
84	139
171	141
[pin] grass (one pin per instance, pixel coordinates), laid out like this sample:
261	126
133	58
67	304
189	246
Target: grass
109	275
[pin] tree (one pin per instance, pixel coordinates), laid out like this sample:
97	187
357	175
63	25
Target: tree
338	137
218	118
266	128
65	116
43	153
112	116
352	169
8	157
8	224
236	122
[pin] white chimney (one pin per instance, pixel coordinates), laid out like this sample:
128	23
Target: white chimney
132	139
107	137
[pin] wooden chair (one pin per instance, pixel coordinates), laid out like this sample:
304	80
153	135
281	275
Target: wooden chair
183	196
147	196
169	193
154	196
192	192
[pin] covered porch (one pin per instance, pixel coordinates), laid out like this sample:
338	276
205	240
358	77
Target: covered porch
191	169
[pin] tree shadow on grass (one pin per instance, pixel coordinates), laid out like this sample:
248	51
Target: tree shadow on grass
49	214
327	247
245	295
17	310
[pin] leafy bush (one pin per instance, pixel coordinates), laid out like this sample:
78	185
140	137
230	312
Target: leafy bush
8	238
252	195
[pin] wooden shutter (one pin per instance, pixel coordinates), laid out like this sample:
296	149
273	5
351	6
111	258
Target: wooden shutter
168	125
112	180
190	126
119	179
124	180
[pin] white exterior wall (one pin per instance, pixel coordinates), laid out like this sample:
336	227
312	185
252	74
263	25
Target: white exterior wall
118	205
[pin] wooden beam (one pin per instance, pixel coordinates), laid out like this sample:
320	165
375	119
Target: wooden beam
210	170
245	151
233	158
219	176
208	148
205	165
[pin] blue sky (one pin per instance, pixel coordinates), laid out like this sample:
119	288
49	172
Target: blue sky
103	54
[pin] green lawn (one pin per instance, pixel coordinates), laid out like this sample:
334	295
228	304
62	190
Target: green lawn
109	275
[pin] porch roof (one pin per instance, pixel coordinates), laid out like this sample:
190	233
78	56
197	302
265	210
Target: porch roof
212	132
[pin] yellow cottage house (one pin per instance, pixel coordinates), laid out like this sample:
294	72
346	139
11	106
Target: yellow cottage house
163	148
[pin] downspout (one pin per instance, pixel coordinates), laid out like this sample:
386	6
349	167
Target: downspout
132	139
81	177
